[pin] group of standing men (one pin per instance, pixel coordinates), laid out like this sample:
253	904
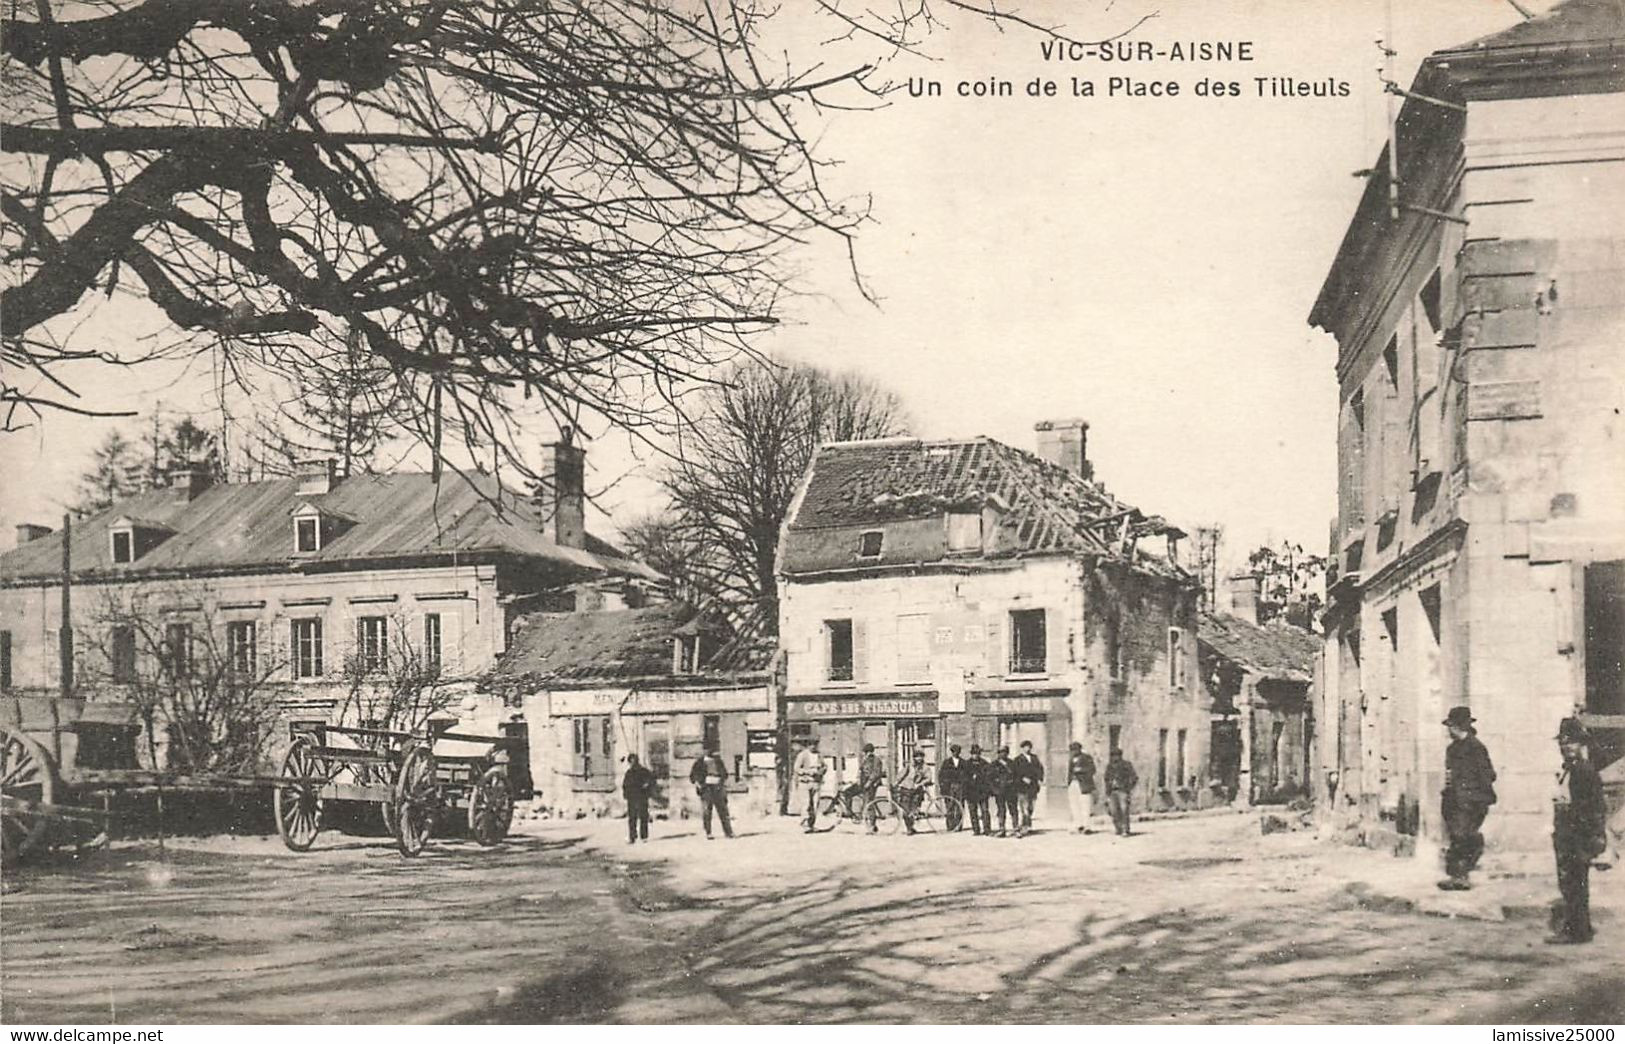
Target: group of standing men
1006	786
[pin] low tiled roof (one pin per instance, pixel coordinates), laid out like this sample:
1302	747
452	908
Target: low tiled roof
619	645
1276	650
1042	507
248	526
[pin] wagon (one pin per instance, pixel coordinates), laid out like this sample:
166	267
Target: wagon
56	754
419	781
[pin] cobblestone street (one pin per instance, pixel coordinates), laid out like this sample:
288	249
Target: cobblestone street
1191	920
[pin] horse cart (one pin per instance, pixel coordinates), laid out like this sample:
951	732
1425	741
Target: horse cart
419	780
58	756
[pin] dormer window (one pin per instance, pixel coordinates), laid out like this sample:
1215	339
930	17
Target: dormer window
869	544
307	533
123	546
128	538
965	531
685	654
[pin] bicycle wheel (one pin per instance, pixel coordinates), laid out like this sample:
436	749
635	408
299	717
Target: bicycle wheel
830	814
884	813
930	817
953	814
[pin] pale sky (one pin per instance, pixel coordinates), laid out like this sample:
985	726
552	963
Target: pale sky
1144	263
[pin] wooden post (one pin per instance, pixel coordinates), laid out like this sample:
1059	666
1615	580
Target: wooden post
65	631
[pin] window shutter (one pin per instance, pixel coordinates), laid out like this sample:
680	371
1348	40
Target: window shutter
998	652
860	650
1054	642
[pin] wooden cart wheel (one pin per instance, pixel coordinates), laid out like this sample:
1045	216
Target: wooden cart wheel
417	798
298	796
490	809
27	778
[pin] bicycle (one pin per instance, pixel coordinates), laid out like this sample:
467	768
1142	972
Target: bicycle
933	815
836	808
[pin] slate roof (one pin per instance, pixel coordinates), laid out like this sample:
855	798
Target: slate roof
1278	651
1045	507
617	646
248	526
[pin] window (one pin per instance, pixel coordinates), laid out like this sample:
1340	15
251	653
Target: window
242	648
1162	759
964	531
307	534
178	650
122	653
838	650
1114	737
1176	658
433	657
1179	760
5	659
1604	621
869	544
913	649
372	642
307	648
711	733
1028	653
592	742
123	545
685	654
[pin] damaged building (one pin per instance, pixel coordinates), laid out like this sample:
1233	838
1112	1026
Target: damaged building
1479	550
965	591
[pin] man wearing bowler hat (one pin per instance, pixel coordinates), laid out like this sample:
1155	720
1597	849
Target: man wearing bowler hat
1578	819
1469	791
976	790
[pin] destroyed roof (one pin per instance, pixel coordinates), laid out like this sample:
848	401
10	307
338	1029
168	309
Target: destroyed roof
1276	650
1573	21
616	646
1042	507
248	526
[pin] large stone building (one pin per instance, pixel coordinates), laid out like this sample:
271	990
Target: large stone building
316	585
969	592
1479	548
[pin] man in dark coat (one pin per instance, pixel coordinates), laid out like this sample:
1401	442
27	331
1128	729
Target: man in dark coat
1001	783
1029	783
871	774
710	778
1578	822
1469	791
1080	786
976	791
1120	779
637	786
951	784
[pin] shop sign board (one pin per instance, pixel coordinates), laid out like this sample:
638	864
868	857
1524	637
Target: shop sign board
864	707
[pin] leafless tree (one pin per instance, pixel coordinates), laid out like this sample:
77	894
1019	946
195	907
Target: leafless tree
732	479
208	691
392	682
583	203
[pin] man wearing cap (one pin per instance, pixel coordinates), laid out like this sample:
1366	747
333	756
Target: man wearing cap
1121	780
637	786
1578	819
710	778
1001	783
910	789
1080	787
1469	792
871	774
951	784
976	792
1029	783
809	772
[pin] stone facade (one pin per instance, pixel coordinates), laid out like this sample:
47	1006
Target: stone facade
1481	525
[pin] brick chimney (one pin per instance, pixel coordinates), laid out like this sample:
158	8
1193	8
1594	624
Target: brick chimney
561	492
1066	443
28	532
1244	596
315	477
190	479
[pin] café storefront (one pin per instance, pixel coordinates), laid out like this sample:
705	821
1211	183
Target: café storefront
926	721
